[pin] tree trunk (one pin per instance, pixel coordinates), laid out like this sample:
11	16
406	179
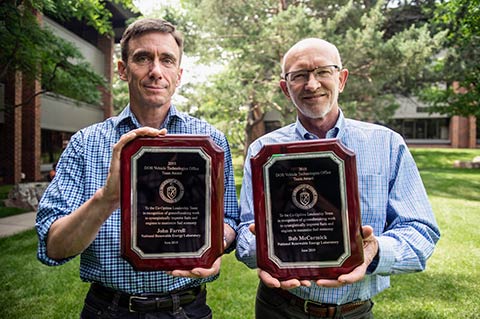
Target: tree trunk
255	125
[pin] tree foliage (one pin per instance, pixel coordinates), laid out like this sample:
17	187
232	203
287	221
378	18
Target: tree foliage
250	38
458	68
37	52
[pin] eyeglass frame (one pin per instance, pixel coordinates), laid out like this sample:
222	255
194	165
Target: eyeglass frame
285	77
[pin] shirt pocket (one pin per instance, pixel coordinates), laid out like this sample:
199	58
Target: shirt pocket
373	192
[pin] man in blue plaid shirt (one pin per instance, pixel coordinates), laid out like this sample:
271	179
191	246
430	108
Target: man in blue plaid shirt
399	232
79	213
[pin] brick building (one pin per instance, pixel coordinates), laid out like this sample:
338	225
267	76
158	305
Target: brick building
421	128
35	133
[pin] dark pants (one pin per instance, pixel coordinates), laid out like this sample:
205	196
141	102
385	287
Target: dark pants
270	305
98	308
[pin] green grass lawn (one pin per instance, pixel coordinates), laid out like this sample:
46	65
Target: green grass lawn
449	288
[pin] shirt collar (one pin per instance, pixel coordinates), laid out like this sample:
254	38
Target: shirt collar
173	113
335	132
127	115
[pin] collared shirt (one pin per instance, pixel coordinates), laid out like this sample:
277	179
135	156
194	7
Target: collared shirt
393	201
83	168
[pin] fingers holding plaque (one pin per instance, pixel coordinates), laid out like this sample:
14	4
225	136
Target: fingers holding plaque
172	202
307	213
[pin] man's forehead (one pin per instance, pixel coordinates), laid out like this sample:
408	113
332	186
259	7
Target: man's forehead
154	41
311	51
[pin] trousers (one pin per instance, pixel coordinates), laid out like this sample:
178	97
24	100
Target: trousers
98	308
270	304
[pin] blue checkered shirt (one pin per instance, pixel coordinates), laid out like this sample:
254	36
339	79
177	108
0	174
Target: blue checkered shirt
83	168
393	201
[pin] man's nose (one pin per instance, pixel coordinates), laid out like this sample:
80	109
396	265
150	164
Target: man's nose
156	70
312	82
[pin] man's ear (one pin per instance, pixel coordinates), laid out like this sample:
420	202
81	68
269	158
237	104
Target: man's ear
283	86
122	70
179	77
342	79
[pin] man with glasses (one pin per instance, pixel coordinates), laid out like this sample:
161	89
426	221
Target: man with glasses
399	232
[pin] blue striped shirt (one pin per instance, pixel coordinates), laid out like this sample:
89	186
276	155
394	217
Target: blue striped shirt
83	168
393	201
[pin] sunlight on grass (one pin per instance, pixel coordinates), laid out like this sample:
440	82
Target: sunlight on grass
441	157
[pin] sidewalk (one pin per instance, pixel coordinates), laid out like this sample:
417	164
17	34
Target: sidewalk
16	224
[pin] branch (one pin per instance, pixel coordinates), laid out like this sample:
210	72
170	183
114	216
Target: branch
30	98
361	71
57	65
252	122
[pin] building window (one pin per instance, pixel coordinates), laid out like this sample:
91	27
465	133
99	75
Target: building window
53	144
421	129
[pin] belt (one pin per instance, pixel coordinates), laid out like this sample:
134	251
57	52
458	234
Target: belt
150	302
319	309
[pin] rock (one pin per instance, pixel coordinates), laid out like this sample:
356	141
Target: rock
26	195
475	163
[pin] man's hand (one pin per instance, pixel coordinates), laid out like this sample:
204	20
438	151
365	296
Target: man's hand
273	282
198	272
111	190
228	235
251	228
370	249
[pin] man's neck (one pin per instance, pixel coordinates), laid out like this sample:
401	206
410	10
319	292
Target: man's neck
151	116
320	126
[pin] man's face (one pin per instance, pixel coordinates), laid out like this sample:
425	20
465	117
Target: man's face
316	97
152	70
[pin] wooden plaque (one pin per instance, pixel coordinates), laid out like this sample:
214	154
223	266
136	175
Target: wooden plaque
172	190
307	210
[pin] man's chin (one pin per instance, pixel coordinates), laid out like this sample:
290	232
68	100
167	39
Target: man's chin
156	103
316	113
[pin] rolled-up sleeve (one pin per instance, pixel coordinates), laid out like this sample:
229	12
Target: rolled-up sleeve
62	196
246	244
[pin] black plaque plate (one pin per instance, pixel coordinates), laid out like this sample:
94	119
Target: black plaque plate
172	202
307	213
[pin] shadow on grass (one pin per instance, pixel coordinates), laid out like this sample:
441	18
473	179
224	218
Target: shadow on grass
452	183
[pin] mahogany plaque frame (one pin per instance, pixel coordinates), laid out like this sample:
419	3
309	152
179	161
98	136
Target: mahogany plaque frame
307	210
172	190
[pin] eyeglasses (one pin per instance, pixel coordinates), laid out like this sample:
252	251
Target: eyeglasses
320	73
